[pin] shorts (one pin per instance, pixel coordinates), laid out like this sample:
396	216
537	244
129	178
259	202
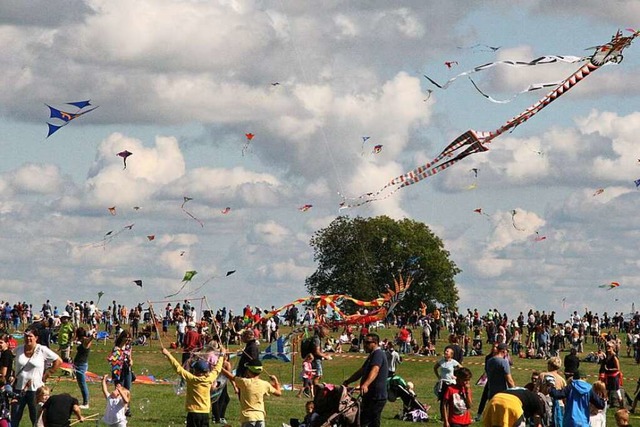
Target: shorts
317	366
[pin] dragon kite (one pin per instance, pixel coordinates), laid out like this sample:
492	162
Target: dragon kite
383	306
473	141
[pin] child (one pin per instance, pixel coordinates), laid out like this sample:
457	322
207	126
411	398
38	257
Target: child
598	417
117	401
307	376
58	408
42	394
252	391
456	401
310	416
622	417
198	399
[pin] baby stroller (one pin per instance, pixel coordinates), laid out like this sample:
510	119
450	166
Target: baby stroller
412	409
334	406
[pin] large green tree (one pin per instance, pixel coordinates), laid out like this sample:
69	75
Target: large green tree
360	256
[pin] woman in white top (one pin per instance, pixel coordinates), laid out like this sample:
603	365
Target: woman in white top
31	360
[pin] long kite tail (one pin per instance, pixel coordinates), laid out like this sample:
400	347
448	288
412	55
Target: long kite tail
471	139
607	53
549	59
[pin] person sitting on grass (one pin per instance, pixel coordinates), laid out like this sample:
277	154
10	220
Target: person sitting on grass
251	392
198	400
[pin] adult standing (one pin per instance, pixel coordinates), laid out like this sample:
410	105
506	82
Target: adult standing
393	358
499	372
315	347
81	363
65	336
553	366
373	382
250	352
192	341
6	359
443	369
30	362
121	359
611	368
571	363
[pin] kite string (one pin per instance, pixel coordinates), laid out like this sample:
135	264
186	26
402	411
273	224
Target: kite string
324	138
305	78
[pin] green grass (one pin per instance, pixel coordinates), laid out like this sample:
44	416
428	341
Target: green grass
158	405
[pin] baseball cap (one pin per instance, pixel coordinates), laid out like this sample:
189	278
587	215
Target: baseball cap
201	365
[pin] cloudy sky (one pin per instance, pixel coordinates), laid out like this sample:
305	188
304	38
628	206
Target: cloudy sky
180	83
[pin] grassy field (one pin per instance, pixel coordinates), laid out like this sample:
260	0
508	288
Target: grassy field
158	405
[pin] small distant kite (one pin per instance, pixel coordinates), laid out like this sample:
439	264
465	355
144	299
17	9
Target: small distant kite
64	117
364	141
249	137
229	273
450	64
188	275
136	208
182	253
186	279
112	210
305	208
151	237
539	238
275	84
377	149
598	191
637	183
138	282
474	184
109	236
481	48
186	199
225	210
100	294
610	286
124	154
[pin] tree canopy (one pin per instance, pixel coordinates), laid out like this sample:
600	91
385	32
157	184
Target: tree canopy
360	256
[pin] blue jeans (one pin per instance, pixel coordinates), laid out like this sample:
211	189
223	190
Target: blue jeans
80	371
28	398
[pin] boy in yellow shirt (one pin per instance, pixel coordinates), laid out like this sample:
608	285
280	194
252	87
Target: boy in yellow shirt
198	400
251	392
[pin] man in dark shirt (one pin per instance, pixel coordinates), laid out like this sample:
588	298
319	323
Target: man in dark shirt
250	352
373	382
499	372
58	408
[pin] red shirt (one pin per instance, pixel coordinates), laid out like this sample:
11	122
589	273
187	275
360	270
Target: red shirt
191	341
458	411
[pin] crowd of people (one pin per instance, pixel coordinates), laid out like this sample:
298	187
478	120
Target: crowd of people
51	335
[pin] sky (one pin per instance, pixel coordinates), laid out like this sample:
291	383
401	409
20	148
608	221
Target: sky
179	83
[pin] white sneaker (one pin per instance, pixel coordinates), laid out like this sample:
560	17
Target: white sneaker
83	406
